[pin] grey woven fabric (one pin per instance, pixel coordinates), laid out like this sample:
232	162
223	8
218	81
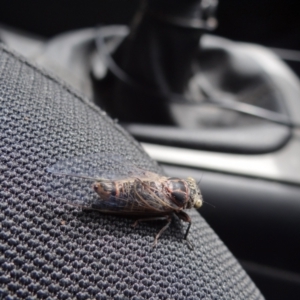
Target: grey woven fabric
49	250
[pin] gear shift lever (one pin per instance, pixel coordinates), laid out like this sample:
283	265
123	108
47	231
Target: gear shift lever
158	57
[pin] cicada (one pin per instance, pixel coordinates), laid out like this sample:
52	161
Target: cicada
120	187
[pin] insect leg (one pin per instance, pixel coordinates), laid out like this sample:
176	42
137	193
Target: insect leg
149	219
87	209
186	218
167	218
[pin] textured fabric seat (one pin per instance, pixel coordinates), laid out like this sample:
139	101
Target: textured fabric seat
49	250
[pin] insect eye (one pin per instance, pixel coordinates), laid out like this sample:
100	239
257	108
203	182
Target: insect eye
179	197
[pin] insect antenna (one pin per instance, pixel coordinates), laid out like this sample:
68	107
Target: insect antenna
209	203
198	183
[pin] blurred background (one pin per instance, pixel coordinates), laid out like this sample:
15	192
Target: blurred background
211	90
270	23
273	24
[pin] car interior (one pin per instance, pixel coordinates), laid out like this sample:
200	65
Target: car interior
209	89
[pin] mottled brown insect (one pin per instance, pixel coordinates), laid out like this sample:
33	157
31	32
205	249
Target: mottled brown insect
122	188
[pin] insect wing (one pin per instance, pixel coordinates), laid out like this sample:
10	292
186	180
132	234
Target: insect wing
75	190
98	166
73	178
